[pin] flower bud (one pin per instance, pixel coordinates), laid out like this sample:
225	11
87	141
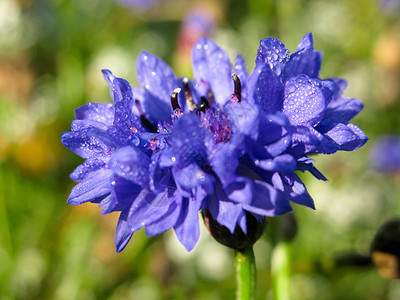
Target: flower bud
237	240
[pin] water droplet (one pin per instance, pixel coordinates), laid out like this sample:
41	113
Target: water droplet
127	169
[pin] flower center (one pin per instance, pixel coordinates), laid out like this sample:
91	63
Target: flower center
211	117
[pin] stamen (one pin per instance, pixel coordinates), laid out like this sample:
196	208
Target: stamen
174	99
210	94
145	122
188	94
203	104
237	96
148	125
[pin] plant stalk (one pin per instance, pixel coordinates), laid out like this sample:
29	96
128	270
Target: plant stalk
281	271
245	274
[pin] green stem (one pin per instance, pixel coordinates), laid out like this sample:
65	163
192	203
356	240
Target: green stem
281	271
245	274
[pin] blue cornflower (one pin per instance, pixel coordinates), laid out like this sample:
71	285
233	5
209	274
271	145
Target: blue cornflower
226	143
385	154
139	4
390	7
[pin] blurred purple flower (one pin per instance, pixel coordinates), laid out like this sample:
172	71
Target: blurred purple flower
385	154
139	4
390	7
227	142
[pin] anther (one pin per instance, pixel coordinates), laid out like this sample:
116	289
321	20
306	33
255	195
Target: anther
210	94
203	104
188	94
148	125
145	122
237	96
174	99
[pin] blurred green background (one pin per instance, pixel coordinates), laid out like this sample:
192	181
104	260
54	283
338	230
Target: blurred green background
51	54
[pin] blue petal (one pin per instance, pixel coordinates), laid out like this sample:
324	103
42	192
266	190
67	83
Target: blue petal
159	82
242	221
349	137
244	118
284	163
159	176
297	192
224	162
167	220
103	113
191	177
341	110
132	164
272	53
280	146
89	143
272	127
188	141
122	90
78	125
122	195
147	208
187	228
265	89
306	42
304	102
222	209
305	60
228	214
240	190
109	77
306	139
211	63
156	109
305	164
123	232
267	201
124	118
340	86
83	170
155	76
93	188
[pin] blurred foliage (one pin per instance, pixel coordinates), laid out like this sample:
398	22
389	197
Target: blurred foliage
51	54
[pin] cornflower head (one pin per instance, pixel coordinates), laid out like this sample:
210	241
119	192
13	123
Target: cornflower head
226	143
